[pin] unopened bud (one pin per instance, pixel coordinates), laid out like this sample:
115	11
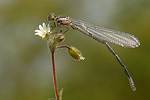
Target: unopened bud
75	53
59	38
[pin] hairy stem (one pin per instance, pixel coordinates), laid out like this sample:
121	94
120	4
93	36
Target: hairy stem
54	77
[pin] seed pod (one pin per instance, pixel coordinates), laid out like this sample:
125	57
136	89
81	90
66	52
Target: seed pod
75	53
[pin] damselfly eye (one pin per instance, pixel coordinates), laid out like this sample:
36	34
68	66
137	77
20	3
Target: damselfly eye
51	17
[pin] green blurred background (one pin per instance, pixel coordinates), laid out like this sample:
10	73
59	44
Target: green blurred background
25	63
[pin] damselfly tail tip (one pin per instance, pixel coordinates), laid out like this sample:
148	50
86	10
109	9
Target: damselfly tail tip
132	84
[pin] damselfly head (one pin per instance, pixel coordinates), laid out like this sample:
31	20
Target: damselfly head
51	17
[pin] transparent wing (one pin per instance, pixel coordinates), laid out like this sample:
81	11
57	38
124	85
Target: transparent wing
119	38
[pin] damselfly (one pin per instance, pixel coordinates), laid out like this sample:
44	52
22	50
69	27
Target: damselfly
100	34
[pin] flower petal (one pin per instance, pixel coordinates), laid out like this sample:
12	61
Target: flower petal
37	31
44	26
40	27
38	34
48	28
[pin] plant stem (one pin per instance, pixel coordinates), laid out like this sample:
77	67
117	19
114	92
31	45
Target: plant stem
54	77
62	46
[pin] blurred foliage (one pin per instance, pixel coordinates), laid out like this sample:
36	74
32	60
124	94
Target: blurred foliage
25	64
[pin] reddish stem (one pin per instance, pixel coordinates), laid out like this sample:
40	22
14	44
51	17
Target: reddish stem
54	77
63	46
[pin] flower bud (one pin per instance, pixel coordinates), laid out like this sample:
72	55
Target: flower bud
59	38
75	53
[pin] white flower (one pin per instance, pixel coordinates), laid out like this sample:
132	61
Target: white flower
43	31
